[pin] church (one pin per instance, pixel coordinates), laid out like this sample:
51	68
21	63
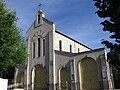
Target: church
58	62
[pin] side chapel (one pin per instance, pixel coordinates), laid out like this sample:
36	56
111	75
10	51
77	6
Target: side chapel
58	62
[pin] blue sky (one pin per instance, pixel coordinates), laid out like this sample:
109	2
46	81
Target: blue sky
75	18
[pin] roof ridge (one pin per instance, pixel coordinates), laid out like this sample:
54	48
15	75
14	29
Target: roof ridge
72	39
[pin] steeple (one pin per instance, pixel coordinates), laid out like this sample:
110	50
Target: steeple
39	16
40	12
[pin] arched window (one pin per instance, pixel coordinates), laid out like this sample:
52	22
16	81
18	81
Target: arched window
78	50
27	45
43	47
60	45
38	47
70	48
33	49
39	18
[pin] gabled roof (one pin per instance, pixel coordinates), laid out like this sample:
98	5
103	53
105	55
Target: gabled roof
47	21
44	19
72	39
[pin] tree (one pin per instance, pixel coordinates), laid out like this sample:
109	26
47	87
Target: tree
109	10
12	45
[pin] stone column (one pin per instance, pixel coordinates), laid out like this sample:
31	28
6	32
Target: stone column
25	77
52	83
15	77
73	81
104	72
28	71
33	76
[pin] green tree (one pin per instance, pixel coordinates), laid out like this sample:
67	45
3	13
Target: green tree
109	10
12	46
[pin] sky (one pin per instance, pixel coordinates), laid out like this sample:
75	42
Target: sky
75	18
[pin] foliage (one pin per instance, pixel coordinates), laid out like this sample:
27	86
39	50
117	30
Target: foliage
12	46
109	10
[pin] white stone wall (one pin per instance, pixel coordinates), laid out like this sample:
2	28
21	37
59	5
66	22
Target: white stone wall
43	31
37	32
62	60
66	42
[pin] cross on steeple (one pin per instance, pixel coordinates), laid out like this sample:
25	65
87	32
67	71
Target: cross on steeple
39	6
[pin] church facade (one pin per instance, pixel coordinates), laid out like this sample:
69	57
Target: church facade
58	62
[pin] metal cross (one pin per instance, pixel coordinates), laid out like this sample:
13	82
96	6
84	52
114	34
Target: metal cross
40	6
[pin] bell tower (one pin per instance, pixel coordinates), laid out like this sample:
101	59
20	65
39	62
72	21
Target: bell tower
39	18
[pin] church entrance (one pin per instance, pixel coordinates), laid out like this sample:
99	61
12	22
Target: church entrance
89	75
40	78
20	80
64	78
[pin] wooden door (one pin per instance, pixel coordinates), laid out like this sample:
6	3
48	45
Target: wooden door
89	74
